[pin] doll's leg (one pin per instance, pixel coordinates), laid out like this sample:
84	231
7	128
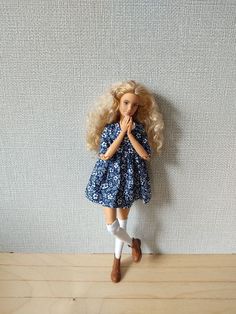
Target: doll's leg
122	216
136	243
114	228
113	225
110	214
123	213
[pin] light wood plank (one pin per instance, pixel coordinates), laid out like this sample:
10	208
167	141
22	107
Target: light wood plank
50	306
177	290
148	260
168	307
115	306
70	283
130	273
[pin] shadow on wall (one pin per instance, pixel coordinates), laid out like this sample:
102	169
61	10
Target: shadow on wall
161	188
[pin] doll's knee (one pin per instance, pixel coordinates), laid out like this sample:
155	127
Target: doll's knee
123	213
114	227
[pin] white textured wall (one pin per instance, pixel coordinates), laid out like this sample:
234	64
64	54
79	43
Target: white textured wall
56	58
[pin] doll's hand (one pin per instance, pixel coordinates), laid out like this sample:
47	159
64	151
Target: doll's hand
130	124
104	156
125	123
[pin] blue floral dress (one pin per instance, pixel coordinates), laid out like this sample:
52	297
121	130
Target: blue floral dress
122	179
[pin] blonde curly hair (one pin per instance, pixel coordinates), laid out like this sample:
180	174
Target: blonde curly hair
106	111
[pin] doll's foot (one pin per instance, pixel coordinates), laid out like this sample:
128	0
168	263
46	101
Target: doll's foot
115	274
136	250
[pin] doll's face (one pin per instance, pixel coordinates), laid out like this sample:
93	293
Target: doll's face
128	105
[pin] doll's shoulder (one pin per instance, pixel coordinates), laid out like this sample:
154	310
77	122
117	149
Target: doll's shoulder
108	129
110	126
139	127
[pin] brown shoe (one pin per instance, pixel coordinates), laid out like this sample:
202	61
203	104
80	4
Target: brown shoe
115	274
136	249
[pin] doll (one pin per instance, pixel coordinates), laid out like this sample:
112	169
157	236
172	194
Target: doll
125	130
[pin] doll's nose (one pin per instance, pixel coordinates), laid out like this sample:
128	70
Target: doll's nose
129	111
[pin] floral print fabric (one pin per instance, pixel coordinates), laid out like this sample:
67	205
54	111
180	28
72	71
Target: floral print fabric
122	179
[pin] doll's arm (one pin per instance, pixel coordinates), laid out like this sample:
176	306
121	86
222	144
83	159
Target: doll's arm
138	147
113	147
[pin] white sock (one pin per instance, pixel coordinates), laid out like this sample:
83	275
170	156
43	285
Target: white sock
119	232
118	243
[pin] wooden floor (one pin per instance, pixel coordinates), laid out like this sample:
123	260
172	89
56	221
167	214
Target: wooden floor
80	283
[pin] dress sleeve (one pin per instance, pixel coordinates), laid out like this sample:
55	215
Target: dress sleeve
104	141
144	141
